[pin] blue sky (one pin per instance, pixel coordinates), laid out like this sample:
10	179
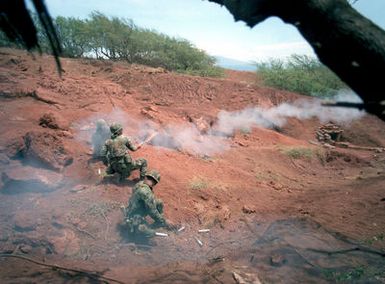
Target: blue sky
209	26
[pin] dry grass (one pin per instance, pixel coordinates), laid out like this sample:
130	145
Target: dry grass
198	183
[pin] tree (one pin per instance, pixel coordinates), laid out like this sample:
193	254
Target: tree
348	43
73	34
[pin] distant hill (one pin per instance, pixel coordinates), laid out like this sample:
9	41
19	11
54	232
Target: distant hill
234	64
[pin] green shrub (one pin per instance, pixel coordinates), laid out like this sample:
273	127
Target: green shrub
301	74
298	152
115	38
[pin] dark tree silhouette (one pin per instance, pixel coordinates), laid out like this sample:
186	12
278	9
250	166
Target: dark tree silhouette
344	40
16	22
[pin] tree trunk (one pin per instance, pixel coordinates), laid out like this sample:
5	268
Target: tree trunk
344	40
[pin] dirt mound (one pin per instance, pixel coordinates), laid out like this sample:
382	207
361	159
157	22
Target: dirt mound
53	121
45	149
366	132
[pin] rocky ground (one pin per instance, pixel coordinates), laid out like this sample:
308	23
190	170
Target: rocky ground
279	209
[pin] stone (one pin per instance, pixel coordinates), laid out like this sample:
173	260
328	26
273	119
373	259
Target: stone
247	210
53	121
277	260
25	248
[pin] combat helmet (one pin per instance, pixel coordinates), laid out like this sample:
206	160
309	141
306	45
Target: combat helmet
115	128
154	174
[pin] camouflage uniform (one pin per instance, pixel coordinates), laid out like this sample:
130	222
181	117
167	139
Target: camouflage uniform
141	204
115	153
100	136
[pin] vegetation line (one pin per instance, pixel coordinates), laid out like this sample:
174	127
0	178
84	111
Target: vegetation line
119	39
301	74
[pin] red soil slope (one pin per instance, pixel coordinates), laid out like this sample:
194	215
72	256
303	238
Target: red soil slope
54	205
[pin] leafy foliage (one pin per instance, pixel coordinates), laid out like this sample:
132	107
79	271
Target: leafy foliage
302	74
114	38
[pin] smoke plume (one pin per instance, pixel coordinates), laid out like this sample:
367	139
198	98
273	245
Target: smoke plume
183	137
229	122
187	137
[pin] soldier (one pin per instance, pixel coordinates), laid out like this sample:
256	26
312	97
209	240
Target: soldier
116	156
143	203
100	136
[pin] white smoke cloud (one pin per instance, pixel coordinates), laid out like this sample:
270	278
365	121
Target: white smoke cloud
184	137
229	122
187	137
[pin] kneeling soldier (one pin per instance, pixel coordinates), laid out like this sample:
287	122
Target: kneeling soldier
143	203
117	157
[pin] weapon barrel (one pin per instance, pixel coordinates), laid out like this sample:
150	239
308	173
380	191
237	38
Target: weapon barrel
149	138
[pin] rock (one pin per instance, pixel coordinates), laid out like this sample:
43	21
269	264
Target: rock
25	248
248	210
13	147
242	144
22	179
202	124
238	278
245	278
45	149
53	121
78	188
36	243
150	112
277	260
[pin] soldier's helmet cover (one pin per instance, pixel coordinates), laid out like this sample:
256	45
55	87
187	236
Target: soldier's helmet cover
115	128
155	175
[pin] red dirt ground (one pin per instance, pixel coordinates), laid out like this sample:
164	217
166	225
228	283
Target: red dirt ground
72	219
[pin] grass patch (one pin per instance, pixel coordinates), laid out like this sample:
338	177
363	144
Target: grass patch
267	176
301	74
298	152
376	238
360	273
350	275
198	183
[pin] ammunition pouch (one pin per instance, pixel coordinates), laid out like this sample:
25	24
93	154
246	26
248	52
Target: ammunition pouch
133	222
